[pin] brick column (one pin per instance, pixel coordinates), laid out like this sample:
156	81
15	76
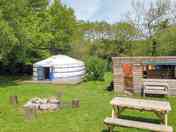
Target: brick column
118	78
137	77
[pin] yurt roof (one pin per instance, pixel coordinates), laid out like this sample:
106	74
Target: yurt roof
60	61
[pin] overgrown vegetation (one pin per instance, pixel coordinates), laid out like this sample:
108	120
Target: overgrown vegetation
96	68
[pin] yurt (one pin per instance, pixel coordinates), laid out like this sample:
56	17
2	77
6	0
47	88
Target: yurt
59	69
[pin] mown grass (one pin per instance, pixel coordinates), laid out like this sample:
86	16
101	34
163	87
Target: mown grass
89	117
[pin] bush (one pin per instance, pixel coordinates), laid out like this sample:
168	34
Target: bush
96	68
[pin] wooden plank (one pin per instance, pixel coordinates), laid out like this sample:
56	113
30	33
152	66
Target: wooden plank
155	87
155	92
141	104
152	83
137	124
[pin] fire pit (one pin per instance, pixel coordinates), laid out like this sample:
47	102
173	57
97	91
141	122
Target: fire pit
43	104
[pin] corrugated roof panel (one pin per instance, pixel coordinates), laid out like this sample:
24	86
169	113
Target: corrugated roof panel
159	62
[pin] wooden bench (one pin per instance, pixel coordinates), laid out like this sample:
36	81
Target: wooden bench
111	122
155	88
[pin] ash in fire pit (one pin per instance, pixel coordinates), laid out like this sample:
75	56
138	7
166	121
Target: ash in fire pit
50	104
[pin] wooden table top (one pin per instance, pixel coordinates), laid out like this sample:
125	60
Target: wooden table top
141	104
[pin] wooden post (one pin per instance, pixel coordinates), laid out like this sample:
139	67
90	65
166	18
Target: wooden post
13	100
110	128
75	103
30	113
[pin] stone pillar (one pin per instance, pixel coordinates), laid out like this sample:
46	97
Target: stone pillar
118	78
137	77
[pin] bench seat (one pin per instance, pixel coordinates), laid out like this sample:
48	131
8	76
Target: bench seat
136	124
150	91
155	88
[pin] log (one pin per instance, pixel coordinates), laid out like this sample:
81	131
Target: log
75	103
60	94
13	100
30	113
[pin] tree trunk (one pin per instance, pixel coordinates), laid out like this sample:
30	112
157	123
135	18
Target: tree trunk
154	47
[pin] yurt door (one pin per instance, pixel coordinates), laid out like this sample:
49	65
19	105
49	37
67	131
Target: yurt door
46	72
40	73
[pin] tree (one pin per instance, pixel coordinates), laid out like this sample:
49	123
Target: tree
167	41
8	40
32	30
37	5
125	33
147	20
62	25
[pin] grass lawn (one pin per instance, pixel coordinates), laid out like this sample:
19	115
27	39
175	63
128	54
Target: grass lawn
94	100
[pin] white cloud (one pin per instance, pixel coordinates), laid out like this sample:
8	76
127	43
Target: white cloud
83	8
98	10
111	10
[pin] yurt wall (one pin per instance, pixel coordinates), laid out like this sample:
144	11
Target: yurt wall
35	75
38	73
71	74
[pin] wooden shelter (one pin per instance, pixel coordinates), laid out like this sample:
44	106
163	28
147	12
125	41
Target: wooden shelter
130	73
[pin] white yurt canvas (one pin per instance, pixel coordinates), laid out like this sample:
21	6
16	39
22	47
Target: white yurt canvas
59	69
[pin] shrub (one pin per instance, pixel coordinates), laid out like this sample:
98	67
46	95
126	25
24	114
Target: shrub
96	68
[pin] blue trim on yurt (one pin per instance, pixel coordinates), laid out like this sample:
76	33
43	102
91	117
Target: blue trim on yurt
51	74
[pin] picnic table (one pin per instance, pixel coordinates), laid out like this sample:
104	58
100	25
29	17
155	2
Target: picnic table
160	108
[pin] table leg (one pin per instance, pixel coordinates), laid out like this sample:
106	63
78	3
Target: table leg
165	120
163	117
114	114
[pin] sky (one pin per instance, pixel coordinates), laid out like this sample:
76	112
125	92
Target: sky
111	11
